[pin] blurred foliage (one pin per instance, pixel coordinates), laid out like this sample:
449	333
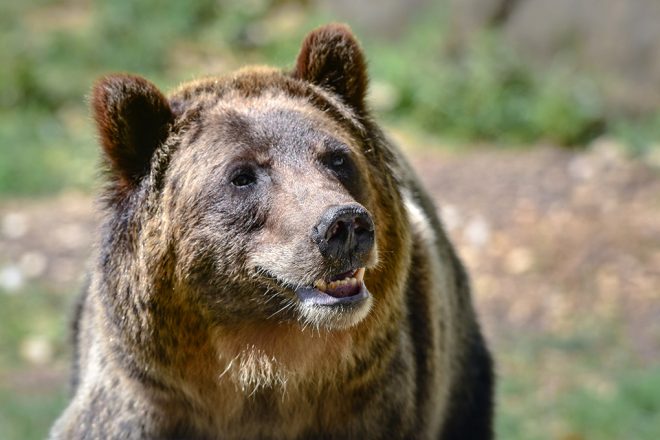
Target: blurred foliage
32	396
51	52
576	387
486	92
638	134
29	416
631	411
49	317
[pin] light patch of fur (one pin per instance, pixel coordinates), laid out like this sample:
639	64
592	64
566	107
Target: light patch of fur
279	356
418	219
439	280
255	369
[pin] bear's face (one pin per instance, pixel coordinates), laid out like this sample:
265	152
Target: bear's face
257	191
271	198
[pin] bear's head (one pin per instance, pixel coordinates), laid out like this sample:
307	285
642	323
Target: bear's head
266	199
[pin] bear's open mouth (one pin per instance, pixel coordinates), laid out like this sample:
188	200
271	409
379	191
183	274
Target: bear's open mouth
342	290
342	285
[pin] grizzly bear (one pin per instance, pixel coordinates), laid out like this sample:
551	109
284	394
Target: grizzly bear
269	267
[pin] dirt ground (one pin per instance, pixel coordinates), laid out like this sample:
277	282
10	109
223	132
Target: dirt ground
558	243
555	239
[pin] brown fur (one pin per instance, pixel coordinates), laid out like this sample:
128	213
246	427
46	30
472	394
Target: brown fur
190	328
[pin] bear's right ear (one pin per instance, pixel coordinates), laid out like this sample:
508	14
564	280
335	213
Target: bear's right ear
331	57
133	118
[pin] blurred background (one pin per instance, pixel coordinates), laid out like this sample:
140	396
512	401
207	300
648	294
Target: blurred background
534	123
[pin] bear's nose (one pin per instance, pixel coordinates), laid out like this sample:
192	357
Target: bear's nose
344	232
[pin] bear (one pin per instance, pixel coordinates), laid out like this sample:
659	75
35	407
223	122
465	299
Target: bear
269	267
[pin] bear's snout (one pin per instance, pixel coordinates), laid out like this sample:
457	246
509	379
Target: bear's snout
344	233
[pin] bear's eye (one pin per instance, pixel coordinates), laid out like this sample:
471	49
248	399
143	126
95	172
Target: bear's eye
336	161
244	178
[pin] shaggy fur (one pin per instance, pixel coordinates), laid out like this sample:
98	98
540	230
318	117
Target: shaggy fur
190	327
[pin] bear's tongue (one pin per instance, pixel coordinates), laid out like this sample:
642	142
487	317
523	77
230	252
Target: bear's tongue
344	291
350	285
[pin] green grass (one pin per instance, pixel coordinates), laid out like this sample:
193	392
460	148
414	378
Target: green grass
32	311
640	135
580	387
29	416
28	408
41	154
631	410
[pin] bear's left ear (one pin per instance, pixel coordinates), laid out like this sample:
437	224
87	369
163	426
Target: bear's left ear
331	57
133	119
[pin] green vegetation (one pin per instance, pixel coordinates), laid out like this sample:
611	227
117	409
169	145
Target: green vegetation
48	314
52	51
486	93
628	410
34	320
576	387
26	416
632	411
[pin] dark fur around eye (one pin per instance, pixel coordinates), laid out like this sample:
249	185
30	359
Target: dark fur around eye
337	161
341	165
243	177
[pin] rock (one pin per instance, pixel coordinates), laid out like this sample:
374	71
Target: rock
36	350
64	270
519	260
14	225
581	168
477	232
11	279
71	236
33	264
450	216
608	150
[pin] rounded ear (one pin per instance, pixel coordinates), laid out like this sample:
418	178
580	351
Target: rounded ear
133	119
331	57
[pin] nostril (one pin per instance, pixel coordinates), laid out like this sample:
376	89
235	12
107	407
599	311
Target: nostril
341	229
362	224
335	230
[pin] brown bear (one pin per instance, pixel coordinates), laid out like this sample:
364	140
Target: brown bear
270	268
